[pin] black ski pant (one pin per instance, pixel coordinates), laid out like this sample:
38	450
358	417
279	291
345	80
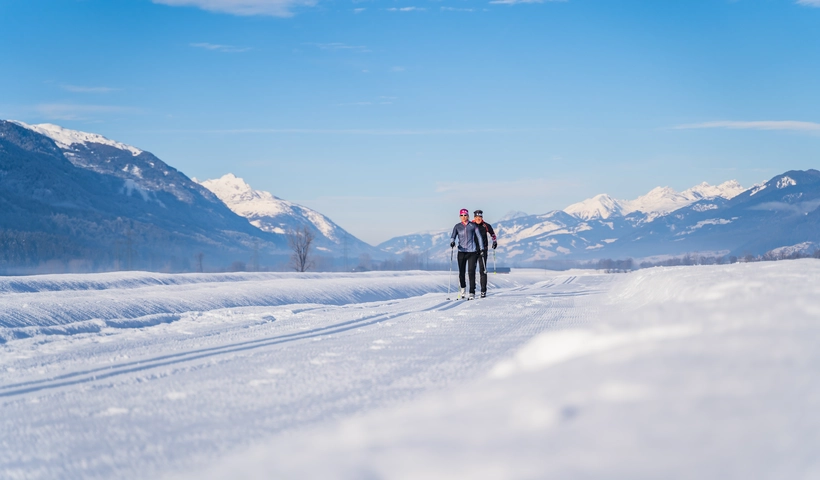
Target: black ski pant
482	270
466	264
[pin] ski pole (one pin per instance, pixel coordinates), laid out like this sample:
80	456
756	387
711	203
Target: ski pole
450	275
493	261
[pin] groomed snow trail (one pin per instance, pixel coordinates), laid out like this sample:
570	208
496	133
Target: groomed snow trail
141	375
684	373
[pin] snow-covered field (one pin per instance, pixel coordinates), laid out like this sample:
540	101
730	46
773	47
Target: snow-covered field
689	372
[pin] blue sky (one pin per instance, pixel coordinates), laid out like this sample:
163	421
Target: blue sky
390	115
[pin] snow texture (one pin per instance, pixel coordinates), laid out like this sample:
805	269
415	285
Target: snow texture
688	372
659	201
65	138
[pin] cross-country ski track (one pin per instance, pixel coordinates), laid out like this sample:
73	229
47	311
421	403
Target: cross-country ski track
555	375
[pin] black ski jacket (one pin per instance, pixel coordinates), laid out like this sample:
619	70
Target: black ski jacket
482	230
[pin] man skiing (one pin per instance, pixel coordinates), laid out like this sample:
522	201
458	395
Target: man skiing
482	229
469	244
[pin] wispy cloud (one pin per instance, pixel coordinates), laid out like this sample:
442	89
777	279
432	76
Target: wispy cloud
786	125
800	208
337	46
809	3
353	104
73	111
453	9
274	8
79	89
398	69
406	9
515	2
220	48
352	131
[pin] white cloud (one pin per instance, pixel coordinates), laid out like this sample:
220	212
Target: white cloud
801	208
788	125
516	2
350	131
406	9
78	89
398	69
73	111
809	3
274	8
452	9
220	48
354	104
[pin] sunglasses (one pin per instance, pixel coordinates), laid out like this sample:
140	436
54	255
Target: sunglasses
463	215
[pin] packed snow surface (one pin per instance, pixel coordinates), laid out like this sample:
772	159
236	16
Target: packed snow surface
687	372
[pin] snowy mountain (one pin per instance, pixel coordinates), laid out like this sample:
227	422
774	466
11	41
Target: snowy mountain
582	230
272	214
658	202
598	207
76	201
782	212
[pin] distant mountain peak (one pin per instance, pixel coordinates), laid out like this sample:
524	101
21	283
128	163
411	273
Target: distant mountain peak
244	200
658	201
64	137
512	214
275	215
600	206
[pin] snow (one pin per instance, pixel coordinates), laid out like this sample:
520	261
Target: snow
802	248
65	138
757	189
658	202
703	223
785	181
599	206
264	208
687	372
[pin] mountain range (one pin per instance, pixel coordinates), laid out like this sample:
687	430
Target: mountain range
77	201
710	220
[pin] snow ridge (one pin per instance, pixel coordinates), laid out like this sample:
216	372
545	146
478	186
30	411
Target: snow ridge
262	207
659	201
64	137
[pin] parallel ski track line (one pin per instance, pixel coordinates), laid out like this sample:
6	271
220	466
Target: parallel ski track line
102	373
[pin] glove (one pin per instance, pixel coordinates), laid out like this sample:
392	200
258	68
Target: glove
495	245
452	244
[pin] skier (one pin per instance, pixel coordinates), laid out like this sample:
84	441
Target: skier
469	244
482	229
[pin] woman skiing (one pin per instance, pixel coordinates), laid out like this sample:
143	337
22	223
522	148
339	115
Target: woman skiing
469	244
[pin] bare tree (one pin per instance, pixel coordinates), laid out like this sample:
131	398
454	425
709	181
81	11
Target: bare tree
199	256
299	241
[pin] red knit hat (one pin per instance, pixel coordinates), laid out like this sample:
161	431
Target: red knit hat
464	211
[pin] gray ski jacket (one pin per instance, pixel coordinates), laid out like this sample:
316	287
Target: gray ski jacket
467	236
